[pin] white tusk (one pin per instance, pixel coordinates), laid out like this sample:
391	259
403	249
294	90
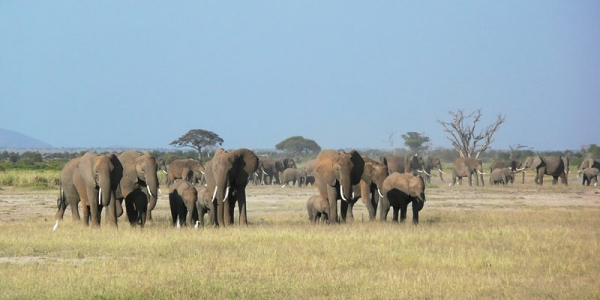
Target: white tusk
283	185
441	171
352	195
226	194
265	172
379	191
100	196
426	173
521	169
202	172
150	192
55	226
214	194
165	172
480	172
342	192
159	191
450	184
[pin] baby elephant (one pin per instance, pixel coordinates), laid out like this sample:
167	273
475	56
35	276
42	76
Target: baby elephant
182	200
503	175
399	190
318	207
590	175
293	175
204	204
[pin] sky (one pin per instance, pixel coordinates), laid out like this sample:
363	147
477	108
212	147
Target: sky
347	74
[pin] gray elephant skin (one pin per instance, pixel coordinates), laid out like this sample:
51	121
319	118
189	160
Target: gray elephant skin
182	202
293	175
188	169
501	175
336	172
204	204
138	199
432	162
318	209
466	167
139	171
515	166
398	191
410	163
92	180
588	163
555	166
369	188
227	177
590	175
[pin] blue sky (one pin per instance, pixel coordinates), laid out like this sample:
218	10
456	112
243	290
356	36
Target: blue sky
344	73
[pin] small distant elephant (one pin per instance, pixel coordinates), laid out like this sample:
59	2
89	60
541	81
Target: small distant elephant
318	207
182	201
399	190
556	166
513	165
294	175
204	205
432	162
590	175
138	200
588	163
466	167
189	169
502	175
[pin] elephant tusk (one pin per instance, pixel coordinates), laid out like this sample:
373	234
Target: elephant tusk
226	194
283	185
441	171
265	172
165	172
159	191
202	172
352	195
214	197
55	226
521	169
342	193
379	191
426	173
450	184
150	192
100	196
480	173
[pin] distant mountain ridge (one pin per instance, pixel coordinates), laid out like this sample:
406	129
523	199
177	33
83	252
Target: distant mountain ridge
12	139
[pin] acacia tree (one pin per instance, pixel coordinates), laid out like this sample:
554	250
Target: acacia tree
414	141
463	137
198	139
297	145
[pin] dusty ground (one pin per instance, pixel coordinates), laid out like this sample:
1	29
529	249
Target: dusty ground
271	202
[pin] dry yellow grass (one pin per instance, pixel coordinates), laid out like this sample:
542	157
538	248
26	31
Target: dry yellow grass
518	242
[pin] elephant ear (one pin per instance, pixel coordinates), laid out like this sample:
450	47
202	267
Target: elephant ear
117	172
219	151
86	168
536	162
325	167
359	167
247	163
208	174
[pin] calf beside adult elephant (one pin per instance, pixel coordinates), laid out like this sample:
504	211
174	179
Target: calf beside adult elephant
369	188
398	191
189	169
502	175
318	208
466	167
410	163
227	177
182	202
139	171
335	174
588	163
513	165
590	175
555	166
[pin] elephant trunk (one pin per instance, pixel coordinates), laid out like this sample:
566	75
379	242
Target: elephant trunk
105	191
345	188
441	172
152	185
221	189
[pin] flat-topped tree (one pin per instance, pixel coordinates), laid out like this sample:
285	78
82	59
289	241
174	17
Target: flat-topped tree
198	139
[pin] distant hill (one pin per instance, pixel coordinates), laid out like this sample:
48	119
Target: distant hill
12	139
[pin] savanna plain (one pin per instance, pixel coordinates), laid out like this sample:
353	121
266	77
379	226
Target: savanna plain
521	241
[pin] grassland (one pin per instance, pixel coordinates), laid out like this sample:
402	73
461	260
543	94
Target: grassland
517	242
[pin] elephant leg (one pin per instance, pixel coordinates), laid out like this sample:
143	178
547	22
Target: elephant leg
74	211
554	180
344	210
315	217
384	208
372	206
395	214
173	206
403	211
94	207
416	207
85	210
111	213
131	212
241	199
120	207
332	198
227	211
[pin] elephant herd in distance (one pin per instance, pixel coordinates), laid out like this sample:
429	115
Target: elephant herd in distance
104	182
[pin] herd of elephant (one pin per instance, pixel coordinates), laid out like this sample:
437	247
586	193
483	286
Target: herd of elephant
103	182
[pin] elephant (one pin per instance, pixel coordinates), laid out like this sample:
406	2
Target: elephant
287	163
399	190
556	166
590	175
189	169
138	201
310	173
182	201
515	166
270	168
336	172
96	181
588	163
204	204
503	175
162	166
409	163
465	167
139	171
226	177
318	208
369	187
294	175
68	193
431	162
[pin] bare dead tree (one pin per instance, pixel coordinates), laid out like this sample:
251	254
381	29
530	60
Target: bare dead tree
391	141
514	148
463	137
